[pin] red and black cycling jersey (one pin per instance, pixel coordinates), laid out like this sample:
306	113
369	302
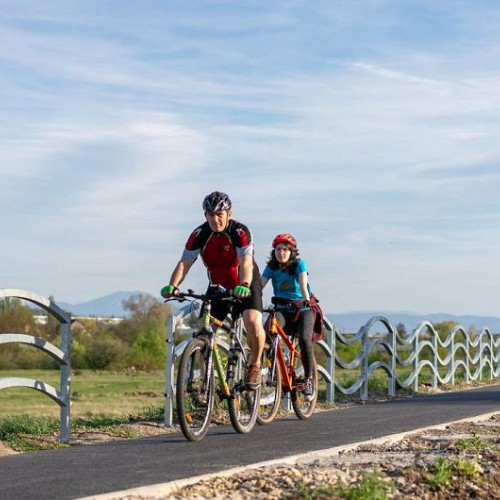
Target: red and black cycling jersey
220	252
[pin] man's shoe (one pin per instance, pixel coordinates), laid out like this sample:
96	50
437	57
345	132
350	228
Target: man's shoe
253	377
309	390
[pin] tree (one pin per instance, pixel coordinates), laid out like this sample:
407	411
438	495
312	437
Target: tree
15	317
144	331
401	329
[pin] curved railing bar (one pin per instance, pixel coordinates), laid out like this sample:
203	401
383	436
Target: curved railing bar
425	326
350	338
347	391
38	342
379	342
408	361
379	364
38	300
351	364
377	319
325	348
327	377
43	387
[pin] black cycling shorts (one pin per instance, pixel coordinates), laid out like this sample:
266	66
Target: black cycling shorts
221	308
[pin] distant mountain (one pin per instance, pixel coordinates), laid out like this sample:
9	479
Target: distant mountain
352	322
112	306
107	306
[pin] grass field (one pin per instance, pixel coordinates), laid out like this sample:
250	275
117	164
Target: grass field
121	393
92	393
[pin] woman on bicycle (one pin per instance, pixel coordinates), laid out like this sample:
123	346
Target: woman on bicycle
288	273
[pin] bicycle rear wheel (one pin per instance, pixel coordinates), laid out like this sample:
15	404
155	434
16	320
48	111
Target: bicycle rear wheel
194	396
302	406
270	390
243	403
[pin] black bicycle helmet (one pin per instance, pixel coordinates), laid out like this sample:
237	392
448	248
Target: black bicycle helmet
216	202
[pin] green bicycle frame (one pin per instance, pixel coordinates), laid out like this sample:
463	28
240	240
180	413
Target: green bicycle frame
207	321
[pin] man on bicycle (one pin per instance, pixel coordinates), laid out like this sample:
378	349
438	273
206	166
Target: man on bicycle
226	248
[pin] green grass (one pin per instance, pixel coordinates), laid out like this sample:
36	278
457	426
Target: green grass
92	393
22	432
442	471
474	444
368	486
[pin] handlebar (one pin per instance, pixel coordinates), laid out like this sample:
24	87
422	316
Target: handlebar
216	292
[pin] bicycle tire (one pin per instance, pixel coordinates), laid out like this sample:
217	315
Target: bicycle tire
271	388
301	406
243	403
194	400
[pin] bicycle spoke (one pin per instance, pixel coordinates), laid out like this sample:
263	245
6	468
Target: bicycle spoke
303	406
243	402
270	391
194	396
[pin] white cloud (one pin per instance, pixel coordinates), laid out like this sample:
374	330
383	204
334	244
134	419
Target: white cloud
373	138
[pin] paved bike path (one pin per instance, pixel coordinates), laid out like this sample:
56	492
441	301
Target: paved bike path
105	467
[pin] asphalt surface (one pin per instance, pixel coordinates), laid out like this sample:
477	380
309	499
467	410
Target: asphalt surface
111	466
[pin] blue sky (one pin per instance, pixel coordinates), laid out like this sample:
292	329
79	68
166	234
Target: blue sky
368	129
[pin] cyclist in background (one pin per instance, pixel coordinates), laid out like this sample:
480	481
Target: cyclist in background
288	273
226	248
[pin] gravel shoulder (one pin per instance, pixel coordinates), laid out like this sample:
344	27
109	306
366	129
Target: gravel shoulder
460	460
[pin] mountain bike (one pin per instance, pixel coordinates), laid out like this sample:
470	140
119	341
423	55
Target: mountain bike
282	371
205	373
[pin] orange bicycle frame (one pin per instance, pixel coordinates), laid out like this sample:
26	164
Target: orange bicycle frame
285	368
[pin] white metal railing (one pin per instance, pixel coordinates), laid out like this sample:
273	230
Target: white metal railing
388	350
460	352
62	355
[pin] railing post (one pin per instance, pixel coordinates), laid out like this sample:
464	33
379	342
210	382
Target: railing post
481	344
65	410
491	355
364	367
330	364
170	371
435	360
392	362
416	341
452	360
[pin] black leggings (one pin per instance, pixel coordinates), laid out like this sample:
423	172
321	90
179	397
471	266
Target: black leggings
304	328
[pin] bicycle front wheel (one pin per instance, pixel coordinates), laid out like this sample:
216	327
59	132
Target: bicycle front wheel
270	390
194	396
303	406
243	403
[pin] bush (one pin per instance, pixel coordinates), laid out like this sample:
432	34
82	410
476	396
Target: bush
148	351
106	353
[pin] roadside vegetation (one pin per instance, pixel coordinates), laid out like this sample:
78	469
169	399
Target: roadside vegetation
117	373
138	341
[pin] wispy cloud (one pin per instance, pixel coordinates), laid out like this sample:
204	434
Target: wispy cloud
373	138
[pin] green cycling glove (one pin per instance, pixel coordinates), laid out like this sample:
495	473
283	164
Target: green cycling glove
241	291
168	291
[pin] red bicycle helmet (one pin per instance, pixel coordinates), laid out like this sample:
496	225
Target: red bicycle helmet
285	238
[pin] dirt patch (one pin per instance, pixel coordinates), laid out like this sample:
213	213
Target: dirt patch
86	437
5	450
